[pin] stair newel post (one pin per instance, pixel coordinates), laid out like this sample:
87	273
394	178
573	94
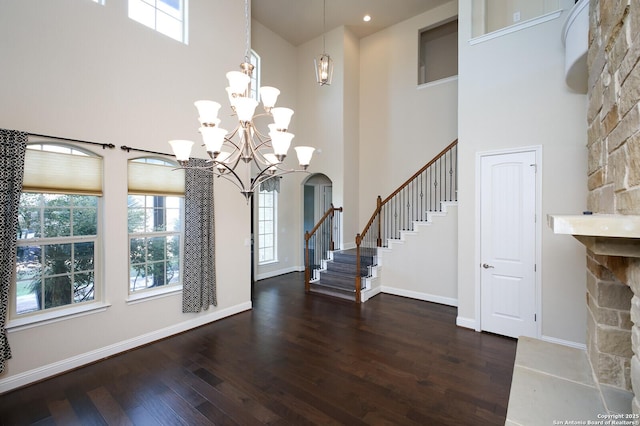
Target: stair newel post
358	279
379	210
307	265
333	212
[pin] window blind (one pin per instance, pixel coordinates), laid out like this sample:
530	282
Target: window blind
47	171
155	179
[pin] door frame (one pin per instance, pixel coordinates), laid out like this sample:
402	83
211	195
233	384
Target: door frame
537	149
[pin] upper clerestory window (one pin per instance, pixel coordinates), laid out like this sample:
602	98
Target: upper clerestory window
168	17
438	52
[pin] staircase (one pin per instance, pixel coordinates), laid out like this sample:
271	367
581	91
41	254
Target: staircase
350	274
337	277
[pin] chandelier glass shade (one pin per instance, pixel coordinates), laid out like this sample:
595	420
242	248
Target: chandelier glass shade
245	156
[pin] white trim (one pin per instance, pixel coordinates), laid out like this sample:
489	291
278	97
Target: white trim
156	293
477	324
55	315
437	82
271	274
467	323
537	149
350	245
420	296
569	343
41	373
367	294
517	27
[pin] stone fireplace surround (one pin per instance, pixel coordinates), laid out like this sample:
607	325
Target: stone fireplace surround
605	379
613	176
554	383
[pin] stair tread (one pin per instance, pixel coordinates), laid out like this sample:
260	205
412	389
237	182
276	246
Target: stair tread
348	287
344	287
327	291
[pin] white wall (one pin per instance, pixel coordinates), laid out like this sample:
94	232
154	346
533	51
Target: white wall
351	136
74	69
434	247
279	69
512	94
402	126
322	119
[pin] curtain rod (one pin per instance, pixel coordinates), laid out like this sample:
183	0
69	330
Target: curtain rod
103	145
129	149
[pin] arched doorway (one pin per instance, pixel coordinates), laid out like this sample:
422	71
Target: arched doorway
317	199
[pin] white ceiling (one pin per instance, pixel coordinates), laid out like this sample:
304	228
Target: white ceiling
299	21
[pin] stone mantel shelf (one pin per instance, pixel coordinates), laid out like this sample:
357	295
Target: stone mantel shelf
604	234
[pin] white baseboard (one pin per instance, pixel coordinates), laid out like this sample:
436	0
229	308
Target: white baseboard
369	293
271	274
467	323
41	373
420	296
569	343
350	245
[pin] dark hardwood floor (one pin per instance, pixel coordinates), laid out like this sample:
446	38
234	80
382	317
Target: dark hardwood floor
295	359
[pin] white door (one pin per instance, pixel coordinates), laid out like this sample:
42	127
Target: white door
508	243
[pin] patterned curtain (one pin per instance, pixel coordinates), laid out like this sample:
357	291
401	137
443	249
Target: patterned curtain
13	145
199	282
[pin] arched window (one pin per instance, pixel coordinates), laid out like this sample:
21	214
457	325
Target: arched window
155	223
58	245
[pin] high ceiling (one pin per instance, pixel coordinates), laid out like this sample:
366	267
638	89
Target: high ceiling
299	21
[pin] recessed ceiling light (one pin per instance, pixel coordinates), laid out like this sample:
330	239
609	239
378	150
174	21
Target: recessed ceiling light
366	18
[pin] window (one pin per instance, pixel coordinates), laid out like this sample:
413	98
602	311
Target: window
255	76
99	1
58	235
155	218
267	214
438	55
168	17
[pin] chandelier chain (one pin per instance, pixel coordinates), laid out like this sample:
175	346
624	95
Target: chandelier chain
247	28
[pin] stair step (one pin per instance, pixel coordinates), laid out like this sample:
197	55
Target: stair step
337	279
349	256
331	291
346	268
335	285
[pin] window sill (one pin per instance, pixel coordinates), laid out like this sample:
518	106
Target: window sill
517	27
51	317
437	82
144	296
270	262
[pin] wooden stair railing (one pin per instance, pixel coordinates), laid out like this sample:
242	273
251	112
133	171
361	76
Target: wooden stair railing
324	237
423	192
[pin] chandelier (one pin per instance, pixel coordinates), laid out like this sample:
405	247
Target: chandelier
245	147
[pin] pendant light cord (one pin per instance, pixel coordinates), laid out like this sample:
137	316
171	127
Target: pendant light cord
324	24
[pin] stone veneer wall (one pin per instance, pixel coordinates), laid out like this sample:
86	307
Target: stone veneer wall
608	324
614	187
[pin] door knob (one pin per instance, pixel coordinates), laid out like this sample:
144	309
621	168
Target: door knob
486	266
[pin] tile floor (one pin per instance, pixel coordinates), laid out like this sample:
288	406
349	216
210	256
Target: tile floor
554	384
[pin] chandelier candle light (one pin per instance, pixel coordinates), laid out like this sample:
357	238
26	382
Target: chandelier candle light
245	143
